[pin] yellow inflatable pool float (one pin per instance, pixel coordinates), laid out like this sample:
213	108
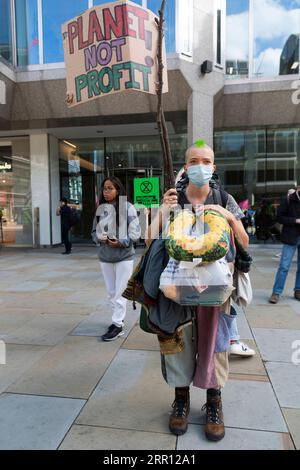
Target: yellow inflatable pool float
211	245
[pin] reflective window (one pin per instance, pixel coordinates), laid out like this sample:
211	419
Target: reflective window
237	38
27	32
276	37
154	5
84	163
15	192
258	167
55	13
5	30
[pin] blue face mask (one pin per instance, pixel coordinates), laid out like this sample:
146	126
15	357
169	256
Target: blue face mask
200	175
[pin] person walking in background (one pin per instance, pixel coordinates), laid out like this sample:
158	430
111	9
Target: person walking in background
65	212
115	249
288	214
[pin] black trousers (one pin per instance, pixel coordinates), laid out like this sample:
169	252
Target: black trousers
65	235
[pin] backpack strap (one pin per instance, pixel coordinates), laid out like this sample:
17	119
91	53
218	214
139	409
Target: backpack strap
220	197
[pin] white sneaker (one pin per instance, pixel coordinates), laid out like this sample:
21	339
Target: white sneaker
241	349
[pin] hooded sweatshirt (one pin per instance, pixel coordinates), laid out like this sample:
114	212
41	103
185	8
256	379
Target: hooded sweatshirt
127	231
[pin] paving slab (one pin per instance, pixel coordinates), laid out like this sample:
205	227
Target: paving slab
35	423
292	417
269	270
87	298
71	369
247	365
131	395
235	439
27	286
138	339
294	304
54	274
261	297
96	324
87	275
35	299
12	321
273	316
96	438
66	309
45	330
19	359
246	404
285	379
276	344
243	326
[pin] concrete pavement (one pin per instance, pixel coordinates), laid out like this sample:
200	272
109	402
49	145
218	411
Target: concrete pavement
62	388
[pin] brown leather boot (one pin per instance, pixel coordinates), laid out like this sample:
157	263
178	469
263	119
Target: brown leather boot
178	422
297	294
274	299
214	429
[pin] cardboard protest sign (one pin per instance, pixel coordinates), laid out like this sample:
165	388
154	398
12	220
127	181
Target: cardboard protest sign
109	49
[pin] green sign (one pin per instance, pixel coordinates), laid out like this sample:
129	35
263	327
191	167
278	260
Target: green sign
146	192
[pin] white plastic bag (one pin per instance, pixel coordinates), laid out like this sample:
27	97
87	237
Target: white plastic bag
242	294
194	284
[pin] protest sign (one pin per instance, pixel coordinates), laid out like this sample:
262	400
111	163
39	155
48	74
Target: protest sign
146	192
109	49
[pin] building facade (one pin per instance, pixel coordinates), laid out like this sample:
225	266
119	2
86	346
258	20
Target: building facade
247	107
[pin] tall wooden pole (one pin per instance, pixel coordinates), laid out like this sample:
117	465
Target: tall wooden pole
161	122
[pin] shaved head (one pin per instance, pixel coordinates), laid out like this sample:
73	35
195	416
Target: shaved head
194	149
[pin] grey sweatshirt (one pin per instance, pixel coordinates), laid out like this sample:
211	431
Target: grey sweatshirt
128	232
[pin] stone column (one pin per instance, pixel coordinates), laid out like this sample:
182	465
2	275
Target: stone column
40	185
200	118
55	189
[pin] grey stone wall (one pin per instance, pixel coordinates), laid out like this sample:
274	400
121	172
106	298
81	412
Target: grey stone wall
5	109
44	100
256	105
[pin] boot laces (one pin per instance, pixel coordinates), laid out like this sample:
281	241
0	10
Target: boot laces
180	408
212	411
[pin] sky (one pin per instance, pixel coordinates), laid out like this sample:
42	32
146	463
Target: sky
274	22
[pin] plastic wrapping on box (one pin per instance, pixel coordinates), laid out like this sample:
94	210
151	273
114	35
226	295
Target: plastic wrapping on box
193	284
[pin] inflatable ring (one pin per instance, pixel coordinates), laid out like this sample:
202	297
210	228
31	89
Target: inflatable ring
214	244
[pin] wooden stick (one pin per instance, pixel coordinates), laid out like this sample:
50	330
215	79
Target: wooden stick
161	122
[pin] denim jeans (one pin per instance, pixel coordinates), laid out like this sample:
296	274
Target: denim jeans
287	255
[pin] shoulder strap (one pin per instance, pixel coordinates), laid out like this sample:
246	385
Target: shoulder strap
220	197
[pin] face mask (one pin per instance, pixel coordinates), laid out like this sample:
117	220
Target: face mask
200	175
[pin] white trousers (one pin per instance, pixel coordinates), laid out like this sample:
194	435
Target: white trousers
116	276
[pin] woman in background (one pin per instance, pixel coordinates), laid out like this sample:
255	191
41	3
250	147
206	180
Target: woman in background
116	228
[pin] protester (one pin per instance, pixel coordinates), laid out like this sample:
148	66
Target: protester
116	227
65	212
237	347
198	352
288	214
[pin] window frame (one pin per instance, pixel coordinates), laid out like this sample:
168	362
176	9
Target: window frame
220	5
178	52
